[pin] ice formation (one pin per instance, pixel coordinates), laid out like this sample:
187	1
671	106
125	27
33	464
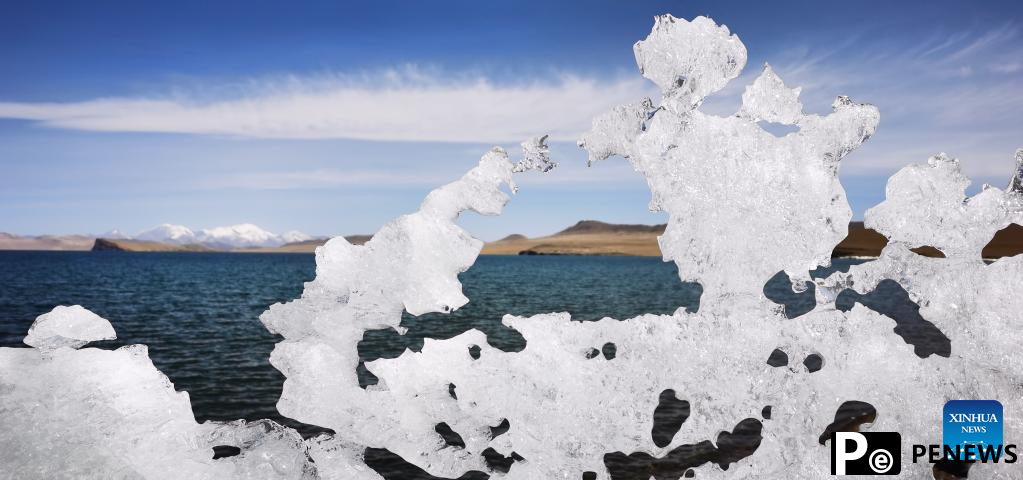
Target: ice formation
89	413
743	205
778	201
68	327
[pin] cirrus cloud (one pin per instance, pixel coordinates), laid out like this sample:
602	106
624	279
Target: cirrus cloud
389	107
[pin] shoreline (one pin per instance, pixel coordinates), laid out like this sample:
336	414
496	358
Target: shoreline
585	238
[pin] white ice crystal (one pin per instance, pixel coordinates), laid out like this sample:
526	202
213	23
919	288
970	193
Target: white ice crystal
777	201
926	205
91	413
71	327
743	204
410	264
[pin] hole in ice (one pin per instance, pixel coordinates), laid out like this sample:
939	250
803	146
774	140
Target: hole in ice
860	242
366	377
670	414
609	350
740	443
589	475
732	446
928	251
500	428
813	362
778	129
848	418
1007	242
392	467
224	451
451	391
891	300
778	358
946	470
474	352
500	463
779	290
592	353
766	413
689	473
451	437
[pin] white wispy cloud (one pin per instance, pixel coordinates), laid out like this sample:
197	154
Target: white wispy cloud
402	105
321	178
943	93
958	92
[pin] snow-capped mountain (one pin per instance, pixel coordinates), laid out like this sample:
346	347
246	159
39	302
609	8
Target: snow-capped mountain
239	236
167	233
245	235
114	234
295	236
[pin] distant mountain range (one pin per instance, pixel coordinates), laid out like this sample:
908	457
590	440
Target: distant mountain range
242	236
591	237
245	235
588	237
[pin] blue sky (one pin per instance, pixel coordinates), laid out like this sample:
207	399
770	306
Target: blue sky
333	118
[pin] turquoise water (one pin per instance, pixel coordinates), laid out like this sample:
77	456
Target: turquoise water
198	312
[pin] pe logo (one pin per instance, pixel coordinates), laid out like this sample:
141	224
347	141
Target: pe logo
871	453
972	422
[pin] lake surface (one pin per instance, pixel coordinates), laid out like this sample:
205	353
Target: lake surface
199	312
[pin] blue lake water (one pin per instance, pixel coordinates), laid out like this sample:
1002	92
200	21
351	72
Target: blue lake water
198	312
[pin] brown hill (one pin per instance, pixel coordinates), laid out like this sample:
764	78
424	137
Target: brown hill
514	237
591	237
596	226
865	242
10	241
1007	242
861	242
120	245
588	237
355	239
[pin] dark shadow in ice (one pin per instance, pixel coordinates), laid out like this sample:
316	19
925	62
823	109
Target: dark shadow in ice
732	446
670	414
949	470
224	451
813	362
891	300
888	299
779	290
500	429
609	350
392	467
848	418
778	358
500	463
451	437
